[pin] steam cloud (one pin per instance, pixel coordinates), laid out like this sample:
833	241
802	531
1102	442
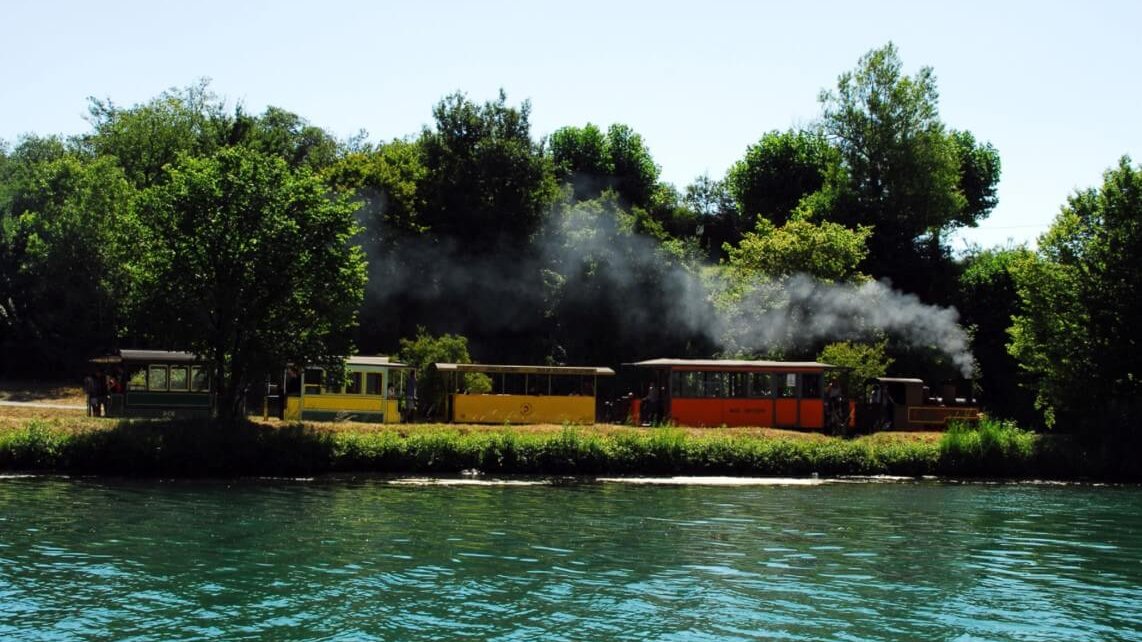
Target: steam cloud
801	309
774	315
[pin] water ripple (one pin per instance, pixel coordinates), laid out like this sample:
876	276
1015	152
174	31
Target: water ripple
366	559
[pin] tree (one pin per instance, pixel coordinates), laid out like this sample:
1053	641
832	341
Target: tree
425	350
718	220
284	134
146	138
487	182
859	362
66	225
825	251
249	264
615	294
988	300
593	162
1081	300
386	183
778	171
906	175
581	158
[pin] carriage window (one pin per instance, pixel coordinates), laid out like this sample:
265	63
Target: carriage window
759	385
716	384
810	386
199	379
372	383
353	383
333	383
178	378
739	384
157	378
313	377
137	380
688	384
787	386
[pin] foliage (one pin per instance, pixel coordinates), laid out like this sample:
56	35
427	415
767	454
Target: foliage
778	171
286	135
248	263
592	162
1081	307
66	225
486	181
988	300
425	350
859	362
146	138
826	251
906	175
614	294
718	220
196	448
969	449
385	180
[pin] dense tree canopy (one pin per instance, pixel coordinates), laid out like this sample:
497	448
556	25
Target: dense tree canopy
1081	307
66	225
778	171
905	173
988	300
248	263
184	223
487	182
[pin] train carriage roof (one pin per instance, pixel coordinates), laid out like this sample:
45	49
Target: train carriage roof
148	356
519	369
729	364
386	362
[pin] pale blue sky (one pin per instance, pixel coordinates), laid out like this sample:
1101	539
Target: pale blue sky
1054	86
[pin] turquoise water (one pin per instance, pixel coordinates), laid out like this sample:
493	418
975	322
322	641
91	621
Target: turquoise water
375	559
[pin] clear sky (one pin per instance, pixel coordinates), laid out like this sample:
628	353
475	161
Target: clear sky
1055	86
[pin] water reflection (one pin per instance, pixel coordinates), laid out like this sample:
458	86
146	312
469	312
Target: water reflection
368	559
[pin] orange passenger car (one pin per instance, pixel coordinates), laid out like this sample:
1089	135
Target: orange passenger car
710	392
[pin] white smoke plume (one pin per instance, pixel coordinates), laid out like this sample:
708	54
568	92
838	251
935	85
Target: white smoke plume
801	309
773	316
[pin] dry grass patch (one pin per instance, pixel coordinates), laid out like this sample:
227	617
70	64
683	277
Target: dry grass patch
42	391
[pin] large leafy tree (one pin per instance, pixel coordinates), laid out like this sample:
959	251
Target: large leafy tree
487	182
284	134
718	220
248	263
146	138
592	162
65	226
825	251
987	299
778	171
386	182
616	294
1081	298
904	172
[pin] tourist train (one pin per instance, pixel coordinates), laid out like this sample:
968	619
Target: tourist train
803	395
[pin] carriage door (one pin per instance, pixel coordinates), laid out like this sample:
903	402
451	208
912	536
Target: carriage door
785	411
812	404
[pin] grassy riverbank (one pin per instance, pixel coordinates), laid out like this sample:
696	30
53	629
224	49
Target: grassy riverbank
76	444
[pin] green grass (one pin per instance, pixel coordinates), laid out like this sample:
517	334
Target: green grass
199	448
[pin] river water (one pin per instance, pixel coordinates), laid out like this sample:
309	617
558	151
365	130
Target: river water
377	559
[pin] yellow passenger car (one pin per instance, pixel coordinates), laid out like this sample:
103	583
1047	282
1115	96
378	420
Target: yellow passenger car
372	391
523	394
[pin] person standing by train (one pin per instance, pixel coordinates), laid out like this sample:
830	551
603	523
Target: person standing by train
89	391
651	406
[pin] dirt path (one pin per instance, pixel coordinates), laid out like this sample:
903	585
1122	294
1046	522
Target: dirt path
38	404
